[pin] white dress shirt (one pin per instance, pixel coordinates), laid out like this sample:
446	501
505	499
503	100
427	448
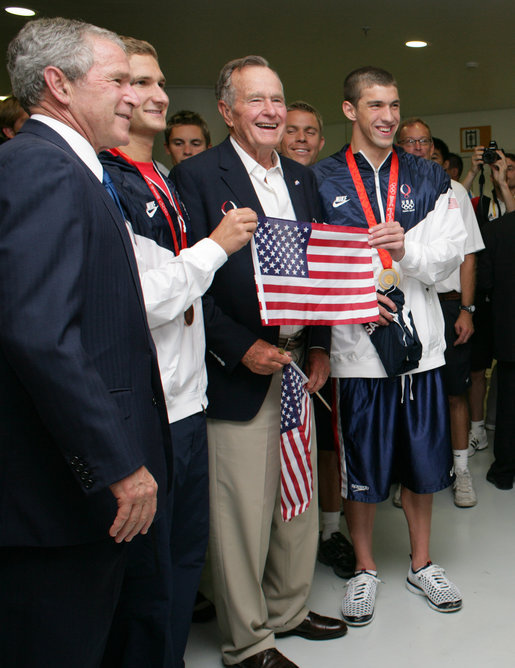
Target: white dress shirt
274	198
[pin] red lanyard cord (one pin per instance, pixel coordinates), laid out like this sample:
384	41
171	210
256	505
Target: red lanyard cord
173	201
384	255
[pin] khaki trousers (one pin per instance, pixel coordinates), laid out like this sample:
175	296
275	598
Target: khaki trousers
262	567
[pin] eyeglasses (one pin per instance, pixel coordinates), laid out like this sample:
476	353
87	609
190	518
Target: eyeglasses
425	141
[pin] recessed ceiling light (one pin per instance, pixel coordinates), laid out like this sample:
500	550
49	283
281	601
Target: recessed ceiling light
20	11
416	44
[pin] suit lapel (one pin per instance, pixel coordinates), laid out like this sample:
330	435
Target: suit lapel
121	226
296	188
236	178
54	137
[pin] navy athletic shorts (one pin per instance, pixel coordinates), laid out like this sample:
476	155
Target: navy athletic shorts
393	430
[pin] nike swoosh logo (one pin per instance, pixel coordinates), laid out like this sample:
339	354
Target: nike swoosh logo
342	199
151	210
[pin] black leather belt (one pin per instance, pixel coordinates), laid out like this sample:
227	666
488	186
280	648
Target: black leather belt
449	296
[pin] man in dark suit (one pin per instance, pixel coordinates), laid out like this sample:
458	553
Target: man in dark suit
262	566
83	423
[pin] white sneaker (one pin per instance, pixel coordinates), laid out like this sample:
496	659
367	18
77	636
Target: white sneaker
359	601
464	494
430	581
478	440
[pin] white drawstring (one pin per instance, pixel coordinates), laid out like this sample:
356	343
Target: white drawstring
403	383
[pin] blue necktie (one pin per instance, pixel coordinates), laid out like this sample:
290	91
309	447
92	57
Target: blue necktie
107	181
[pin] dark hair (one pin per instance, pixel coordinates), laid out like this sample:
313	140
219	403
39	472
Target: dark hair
10	112
364	77
185	117
455	162
441	146
299	105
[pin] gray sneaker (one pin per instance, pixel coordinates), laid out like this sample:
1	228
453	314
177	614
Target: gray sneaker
358	604
463	489
430	581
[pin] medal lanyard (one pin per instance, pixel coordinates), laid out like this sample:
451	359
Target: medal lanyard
162	205
384	255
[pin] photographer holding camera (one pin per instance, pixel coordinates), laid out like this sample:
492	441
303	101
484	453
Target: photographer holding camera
502	168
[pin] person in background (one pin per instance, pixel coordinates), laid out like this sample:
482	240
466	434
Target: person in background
497	278
12	118
456	295
455	167
186	134
302	141
488	209
303	138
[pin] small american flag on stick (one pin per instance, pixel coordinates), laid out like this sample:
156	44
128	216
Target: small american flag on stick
296	470
313	274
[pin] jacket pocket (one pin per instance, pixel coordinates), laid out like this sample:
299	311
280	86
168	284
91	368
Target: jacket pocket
123	397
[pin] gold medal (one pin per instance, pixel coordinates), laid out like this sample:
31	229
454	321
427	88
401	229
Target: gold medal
189	314
388	279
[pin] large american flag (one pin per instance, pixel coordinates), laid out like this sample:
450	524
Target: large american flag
312	273
296	470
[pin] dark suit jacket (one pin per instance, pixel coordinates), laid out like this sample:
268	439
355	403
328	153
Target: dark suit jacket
81	403
205	182
496	277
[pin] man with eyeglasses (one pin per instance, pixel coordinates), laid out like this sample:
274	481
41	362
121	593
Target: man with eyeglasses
456	295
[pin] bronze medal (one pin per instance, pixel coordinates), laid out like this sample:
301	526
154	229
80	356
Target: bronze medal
189	315
388	279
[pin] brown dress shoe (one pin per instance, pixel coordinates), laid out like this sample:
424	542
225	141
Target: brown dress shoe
317	627
268	658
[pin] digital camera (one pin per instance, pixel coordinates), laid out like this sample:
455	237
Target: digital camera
490	154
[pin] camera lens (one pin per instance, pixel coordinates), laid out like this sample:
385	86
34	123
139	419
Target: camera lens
490	154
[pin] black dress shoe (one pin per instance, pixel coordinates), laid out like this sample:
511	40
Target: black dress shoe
337	552
317	627
268	658
203	611
500	480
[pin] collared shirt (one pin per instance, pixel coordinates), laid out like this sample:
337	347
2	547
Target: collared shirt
79	144
273	196
269	185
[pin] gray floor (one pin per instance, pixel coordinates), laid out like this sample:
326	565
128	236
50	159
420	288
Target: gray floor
476	547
